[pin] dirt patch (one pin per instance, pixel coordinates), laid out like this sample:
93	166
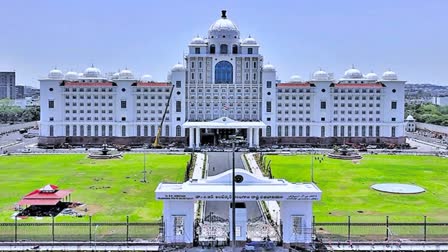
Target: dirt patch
88	209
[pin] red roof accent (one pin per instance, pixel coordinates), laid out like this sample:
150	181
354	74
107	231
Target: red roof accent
153	84
292	85
39	202
88	84
358	85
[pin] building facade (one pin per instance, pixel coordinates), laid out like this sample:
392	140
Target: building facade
7	85
223	76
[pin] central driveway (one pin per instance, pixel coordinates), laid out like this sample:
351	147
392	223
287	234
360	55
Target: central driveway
218	163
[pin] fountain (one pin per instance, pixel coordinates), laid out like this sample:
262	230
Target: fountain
105	153
344	153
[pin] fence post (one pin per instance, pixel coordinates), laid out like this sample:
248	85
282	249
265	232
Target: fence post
349	227
15	228
387	228
90	228
52	227
314	224
424	229
127	228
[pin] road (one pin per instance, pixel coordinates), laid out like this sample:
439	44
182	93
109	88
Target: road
218	163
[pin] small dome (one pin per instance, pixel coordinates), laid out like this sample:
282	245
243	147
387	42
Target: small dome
92	72
268	68
71	75
178	67
372	76
197	40
295	79
390	75
125	74
115	76
410	118
320	75
249	41
56	74
80	75
353	73
223	25
146	78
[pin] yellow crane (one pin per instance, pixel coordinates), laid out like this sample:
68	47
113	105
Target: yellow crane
156	143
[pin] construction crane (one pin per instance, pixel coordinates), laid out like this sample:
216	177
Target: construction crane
156	143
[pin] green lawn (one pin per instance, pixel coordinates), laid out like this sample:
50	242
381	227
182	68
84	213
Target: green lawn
346	186
110	188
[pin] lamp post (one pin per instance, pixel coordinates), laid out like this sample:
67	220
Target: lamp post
232	138
312	166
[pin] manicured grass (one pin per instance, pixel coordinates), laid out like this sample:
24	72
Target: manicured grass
110	188
346	186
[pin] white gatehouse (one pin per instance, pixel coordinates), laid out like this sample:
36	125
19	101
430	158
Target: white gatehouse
295	200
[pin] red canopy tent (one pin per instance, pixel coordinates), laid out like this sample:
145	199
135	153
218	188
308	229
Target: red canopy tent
48	195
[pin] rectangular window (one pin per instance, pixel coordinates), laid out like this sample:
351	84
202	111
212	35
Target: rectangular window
269	84
123	104
197	50
394	119
268	106
394	105
178	84
323	105
178	106
250	50
50	104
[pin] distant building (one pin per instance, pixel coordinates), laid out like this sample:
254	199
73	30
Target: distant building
32	91
7	85
410	124
441	101
20	92
223	88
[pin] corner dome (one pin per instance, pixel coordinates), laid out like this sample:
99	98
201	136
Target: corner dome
295	79
223	26
353	73
178	67
410	118
92	72
371	76
390	75
115	76
321	75
197	40
146	78
70	75
268	68
249	41
56	74
125	74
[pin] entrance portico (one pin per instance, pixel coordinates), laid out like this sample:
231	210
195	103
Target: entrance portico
295	207
253	130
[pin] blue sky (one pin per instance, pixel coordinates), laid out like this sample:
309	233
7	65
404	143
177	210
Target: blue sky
298	37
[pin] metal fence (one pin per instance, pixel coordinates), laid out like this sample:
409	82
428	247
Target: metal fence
86	230
381	231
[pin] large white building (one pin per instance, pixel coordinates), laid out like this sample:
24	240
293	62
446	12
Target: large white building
222	87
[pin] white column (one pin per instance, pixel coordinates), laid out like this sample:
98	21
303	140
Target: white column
198	137
249	137
191	137
256	137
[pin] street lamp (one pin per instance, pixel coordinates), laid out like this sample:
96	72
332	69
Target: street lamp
233	138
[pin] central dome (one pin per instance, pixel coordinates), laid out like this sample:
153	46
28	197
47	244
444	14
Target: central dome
223	27
353	73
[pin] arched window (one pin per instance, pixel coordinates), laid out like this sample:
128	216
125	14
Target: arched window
74	130
111	130
67	130
268	131
89	130
300	130
307	130
322	131
377	131
235	49
96	130
138	130
363	131
349	131
212	49
293	131
167	130
223	49
223	72
356	131
286	131
153	130
51	130
145	129
279	131
394	131
103	130
178	130
335	131
81	130
123	130
342	131
370	131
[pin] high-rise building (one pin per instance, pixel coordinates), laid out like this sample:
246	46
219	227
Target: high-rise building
7	85
223	88
20	92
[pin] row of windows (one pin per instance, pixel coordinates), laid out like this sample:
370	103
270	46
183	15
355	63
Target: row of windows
337	131
342	112
356	105
152	104
357	90
254	111
286	97
293	119
200	104
295	104
357	98
224	90
239	97
89	89
292	90
88	104
74	97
